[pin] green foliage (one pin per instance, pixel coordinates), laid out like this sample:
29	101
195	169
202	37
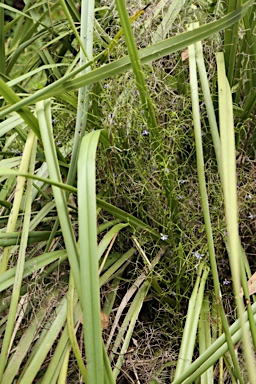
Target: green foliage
110	200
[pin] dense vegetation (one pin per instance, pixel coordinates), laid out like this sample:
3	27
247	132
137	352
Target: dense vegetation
127	201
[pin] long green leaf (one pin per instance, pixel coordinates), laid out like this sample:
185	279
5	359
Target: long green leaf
86	53
227	136
216	350
10	96
129	322
25	342
89	276
2	41
190	328
6	346
44	118
35	264
108	237
71	330
44	344
13	217
7	239
231	41
196	55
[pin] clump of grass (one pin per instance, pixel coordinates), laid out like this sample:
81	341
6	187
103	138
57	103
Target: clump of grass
146	177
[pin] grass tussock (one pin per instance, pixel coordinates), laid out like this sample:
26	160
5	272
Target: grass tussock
127	209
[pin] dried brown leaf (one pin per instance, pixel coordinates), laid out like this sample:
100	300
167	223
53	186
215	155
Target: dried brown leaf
104	320
251	285
184	55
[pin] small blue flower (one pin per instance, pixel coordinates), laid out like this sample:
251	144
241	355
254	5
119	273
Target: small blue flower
250	216
145	132
163	237
198	255
167	170
226	282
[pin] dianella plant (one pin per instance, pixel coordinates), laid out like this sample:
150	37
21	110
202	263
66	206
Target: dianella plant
127	244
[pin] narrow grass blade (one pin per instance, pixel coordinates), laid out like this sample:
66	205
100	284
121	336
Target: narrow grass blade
168	19
230	197
112	43
90	298
204	335
44	118
249	104
71	329
44	344
139	281
122	215
31	266
10	163
56	366
11	97
11	227
2	41
189	332
249	48
33	237
147	105
129	324
231	41
111	271
25	343
72	26
213	354
20	263
62	378
157	9
11	172
10	123
86	53
108	237
195	55
103	227
208	100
